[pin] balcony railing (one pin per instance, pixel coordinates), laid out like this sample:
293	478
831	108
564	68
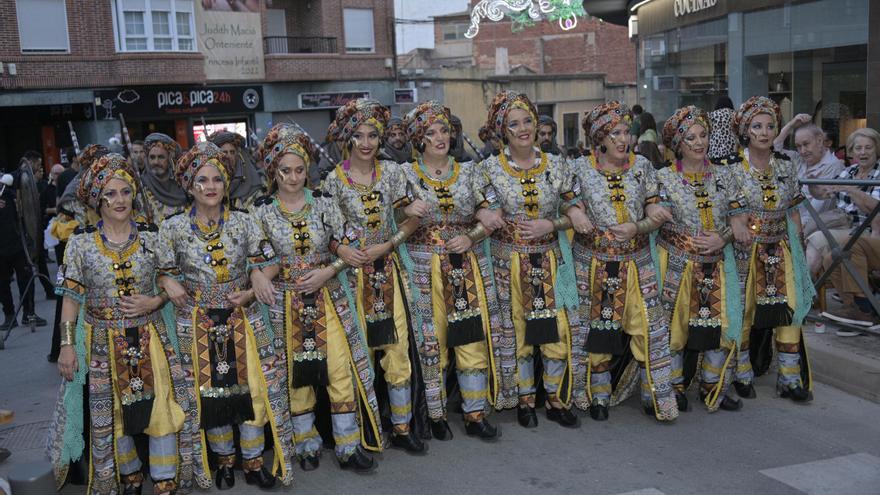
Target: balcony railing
298	44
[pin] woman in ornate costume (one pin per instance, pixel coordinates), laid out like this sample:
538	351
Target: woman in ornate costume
701	288
314	311
523	196
114	342
208	254
778	288
617	278
368	191
454	302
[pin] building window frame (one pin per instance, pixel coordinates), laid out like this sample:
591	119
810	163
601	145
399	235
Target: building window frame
372	26
29	51
453	31
180	42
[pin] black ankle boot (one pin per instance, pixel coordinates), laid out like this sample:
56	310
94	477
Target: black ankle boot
796	393
408	442
682	401
599	411
745	390
526	416
224	475
562	416
481	429
259	476
727	403
309	462
358	462
440	430
133	483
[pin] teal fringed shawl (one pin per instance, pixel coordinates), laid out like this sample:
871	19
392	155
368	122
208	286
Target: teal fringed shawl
356	321
73	443
733	301
566	283
805	291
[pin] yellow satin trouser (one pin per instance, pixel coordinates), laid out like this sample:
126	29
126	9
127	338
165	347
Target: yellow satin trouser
473	356
790	334
395	359
556	350
166	416
341	387
635	316
681	312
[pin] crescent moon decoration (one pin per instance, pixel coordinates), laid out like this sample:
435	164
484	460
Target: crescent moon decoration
526	13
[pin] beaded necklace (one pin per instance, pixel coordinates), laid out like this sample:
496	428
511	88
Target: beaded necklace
374	176
298	223
697	182
616	188
765	180
214	256
119	254
528	181
441	185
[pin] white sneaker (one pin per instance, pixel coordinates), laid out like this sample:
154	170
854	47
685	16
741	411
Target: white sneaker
847	333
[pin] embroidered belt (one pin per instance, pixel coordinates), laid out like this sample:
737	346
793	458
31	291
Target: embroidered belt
294	267
605	247
681	239
107	311
508	235
768	226
213	295
437	234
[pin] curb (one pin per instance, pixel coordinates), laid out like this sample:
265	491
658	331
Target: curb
847	371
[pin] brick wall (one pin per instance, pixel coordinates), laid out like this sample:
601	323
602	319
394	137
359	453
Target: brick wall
592	47
94	62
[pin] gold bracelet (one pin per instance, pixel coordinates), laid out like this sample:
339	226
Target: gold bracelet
398	238
477	234
562	223
68	333
338	265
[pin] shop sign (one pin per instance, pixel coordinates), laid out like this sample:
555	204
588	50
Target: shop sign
181	101
310	101
686	7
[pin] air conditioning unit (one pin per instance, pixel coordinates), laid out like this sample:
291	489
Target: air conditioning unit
633	26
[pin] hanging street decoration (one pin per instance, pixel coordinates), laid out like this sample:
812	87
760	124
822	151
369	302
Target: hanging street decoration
525	13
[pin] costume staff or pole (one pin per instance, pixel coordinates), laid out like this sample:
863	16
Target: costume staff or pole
137	174
204	129
73	138
473	147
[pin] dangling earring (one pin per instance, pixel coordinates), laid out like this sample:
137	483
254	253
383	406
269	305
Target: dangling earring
628	148
603	148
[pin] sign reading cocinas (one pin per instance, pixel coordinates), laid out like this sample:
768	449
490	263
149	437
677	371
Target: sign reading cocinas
685	7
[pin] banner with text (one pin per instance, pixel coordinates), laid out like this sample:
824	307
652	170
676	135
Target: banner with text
231	39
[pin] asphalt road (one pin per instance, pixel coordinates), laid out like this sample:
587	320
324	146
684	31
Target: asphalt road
771	446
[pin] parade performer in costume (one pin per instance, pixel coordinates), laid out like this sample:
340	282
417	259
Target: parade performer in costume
617	278
454	299
314	310
397	148
247	181
701	290
368	191
208	254
523	196
778	288
116	345
164	194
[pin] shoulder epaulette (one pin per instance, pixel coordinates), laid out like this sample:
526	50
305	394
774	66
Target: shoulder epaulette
147	227
728	160
88	229
662	165
782	156
240	210
173	215
263	200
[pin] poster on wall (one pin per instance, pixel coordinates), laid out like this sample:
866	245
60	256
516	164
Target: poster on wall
231	38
